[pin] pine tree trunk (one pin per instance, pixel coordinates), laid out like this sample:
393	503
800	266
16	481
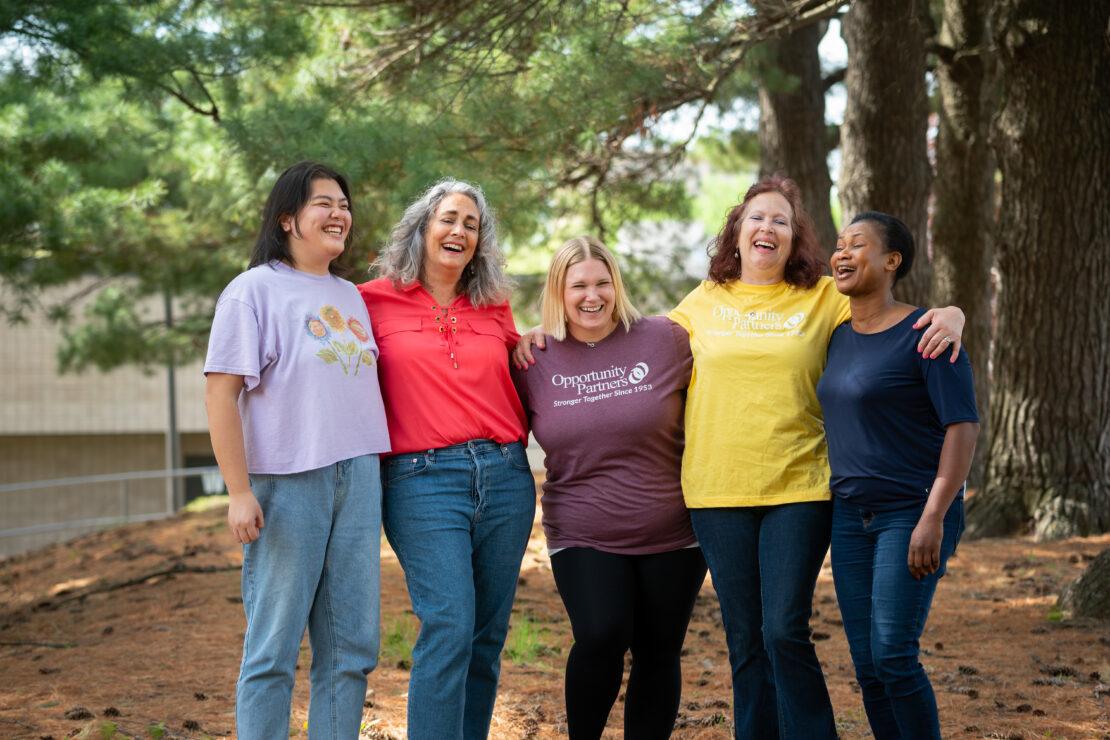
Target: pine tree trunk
1050	403
883	139
963	193
792	123
1089	595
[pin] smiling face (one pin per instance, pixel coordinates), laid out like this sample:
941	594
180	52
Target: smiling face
588	299
451	236
766	235
860	263
317	234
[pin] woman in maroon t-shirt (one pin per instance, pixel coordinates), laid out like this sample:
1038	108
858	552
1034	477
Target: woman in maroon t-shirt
606	401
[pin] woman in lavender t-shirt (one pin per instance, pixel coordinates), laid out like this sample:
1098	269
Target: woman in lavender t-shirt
606	401
290	356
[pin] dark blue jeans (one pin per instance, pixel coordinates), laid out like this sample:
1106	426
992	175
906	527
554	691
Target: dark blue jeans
884	610
764	561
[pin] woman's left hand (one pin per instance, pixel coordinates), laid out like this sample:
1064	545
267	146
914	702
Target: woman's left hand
924	555
946	329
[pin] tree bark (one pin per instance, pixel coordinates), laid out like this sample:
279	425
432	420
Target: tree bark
1089	595
792	138
1050	406
883	139
963	192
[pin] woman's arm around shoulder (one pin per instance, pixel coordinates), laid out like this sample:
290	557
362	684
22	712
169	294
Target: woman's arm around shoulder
945	332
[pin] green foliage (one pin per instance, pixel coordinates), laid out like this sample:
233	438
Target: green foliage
139	140
156	730
108	730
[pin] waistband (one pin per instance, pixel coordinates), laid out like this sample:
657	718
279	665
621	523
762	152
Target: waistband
463	449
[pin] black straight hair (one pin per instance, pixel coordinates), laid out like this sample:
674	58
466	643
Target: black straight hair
288	196
896	237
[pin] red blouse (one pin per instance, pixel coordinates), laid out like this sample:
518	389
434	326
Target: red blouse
444	371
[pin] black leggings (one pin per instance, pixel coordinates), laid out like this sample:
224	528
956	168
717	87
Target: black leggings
617	603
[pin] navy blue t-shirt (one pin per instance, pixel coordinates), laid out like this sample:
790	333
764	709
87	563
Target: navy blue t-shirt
886	409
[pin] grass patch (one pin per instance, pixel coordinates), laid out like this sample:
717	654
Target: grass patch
398	637
206	503
526	642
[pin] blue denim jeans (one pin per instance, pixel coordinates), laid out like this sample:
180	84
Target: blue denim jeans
458	518
316	562
884	610
764	561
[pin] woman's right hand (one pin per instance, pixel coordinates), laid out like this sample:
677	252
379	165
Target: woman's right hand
244	516
522	354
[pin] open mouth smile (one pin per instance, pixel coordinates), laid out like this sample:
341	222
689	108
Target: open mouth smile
764	245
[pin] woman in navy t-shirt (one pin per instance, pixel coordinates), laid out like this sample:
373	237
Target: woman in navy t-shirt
901	431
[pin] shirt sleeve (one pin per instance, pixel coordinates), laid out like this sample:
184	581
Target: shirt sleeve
504	316
235	344
682	314
951	388
684	357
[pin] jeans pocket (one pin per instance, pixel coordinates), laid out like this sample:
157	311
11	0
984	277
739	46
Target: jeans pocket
399	468
517	457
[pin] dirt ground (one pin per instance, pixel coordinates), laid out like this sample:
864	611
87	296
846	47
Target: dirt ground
137	631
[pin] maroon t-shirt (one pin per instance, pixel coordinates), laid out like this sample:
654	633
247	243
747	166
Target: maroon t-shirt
609	417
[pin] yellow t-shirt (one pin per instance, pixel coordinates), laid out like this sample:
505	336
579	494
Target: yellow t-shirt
754	432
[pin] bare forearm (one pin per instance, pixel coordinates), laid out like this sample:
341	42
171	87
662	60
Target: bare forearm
226	429
955	462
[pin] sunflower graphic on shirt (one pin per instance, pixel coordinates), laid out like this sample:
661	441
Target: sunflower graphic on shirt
345	341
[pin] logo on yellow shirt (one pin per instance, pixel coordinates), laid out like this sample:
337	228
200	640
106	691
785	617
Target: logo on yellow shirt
758	323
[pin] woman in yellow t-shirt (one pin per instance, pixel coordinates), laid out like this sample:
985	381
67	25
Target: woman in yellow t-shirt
755	472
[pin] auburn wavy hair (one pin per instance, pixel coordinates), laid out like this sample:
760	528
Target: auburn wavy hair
803	267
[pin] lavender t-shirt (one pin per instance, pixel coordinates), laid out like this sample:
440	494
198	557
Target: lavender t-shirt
303	345
609	417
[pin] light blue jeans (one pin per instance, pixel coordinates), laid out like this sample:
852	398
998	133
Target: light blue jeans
316	562
458	518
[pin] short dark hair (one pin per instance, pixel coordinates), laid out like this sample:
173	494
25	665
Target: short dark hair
804	265
288	196
896	237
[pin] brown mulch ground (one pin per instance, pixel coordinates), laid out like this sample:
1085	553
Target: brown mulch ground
138	630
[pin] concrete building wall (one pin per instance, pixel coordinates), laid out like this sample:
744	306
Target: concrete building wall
36	399
49	457
89	423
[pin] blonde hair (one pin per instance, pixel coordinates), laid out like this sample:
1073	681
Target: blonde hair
577	250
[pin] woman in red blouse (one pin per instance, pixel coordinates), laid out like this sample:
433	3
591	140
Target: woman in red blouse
458	495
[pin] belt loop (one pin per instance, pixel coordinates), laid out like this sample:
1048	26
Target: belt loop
430	456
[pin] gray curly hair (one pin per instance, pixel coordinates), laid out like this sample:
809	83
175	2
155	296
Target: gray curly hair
402	258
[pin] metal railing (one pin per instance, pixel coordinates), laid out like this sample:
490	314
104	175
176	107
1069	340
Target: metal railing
210	476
